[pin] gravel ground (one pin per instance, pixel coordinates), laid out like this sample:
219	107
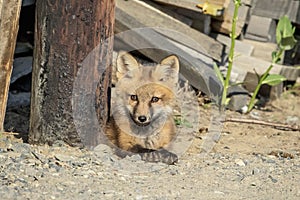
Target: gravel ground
249	162
62	172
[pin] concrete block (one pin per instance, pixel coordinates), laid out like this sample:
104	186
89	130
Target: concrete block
261	29
267	91
239	97
240	46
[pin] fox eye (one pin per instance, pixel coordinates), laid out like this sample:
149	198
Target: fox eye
133	97
154	99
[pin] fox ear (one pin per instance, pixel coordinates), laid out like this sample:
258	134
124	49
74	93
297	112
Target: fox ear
171	61
125	63
168	70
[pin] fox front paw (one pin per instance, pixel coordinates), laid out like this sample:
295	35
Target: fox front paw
161	155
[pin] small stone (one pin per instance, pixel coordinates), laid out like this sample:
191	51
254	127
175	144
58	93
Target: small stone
173	172
188	165
244	109
253	184
270	161
240	162
21	147
109	193
292	119
273	179
141	197
63	158
122	179
60	188
26	155
9	147
246	161
219	192
255	171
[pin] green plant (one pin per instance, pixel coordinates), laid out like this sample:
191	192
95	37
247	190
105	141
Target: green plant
233	36
285	41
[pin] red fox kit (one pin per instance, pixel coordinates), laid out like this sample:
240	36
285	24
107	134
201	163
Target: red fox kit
142	107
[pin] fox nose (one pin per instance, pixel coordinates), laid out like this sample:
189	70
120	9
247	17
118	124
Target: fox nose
142	118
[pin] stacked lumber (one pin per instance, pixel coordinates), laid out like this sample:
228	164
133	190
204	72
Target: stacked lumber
176	32
164	36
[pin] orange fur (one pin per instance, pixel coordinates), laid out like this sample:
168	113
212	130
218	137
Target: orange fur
142	104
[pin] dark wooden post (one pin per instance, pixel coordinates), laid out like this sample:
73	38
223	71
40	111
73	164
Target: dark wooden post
72	39
9	24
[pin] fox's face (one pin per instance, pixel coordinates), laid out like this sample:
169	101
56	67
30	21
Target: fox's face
150	102
144	95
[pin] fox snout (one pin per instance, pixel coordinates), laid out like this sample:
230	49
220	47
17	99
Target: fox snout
141	113
142	120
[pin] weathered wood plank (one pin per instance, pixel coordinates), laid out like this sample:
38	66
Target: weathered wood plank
199	74
195	19
9	23
166	9
279	8
66	32
147	16
191	4
188	4
223	23
240	46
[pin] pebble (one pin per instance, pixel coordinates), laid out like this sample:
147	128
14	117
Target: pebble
292	119
255	171
63	158
253	184
219	192
20	147
270	161
240	162
173	172
273	179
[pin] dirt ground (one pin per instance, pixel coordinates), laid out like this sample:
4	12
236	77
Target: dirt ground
248	162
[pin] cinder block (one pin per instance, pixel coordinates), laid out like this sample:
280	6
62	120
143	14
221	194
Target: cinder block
240	46
271	92
239	97
261	29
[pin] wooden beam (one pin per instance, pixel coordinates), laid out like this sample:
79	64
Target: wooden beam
9	24
148	16
66	34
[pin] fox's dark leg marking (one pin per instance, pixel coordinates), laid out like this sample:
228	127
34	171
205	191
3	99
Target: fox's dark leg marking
150	155
160	155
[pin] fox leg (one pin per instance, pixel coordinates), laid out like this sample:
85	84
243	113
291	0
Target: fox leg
150	155
160	155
